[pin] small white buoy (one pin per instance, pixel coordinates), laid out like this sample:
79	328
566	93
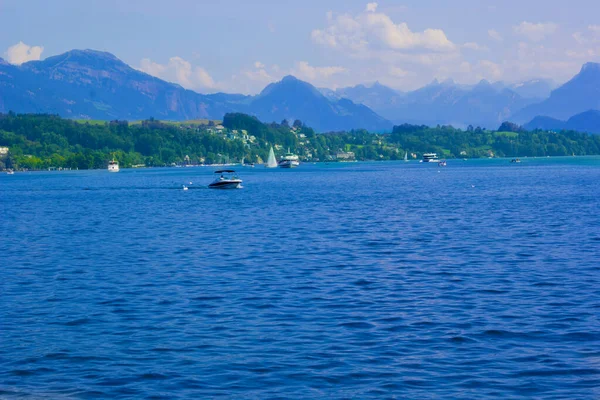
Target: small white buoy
472	186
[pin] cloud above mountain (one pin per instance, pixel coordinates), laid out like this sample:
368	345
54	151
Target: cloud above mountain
179	71
21	53
304	70
372	30
535	32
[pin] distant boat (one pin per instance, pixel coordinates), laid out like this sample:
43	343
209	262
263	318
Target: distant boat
271	161
515	160
289	160
10	172
430	157
442	163
227	180
113	166
406	156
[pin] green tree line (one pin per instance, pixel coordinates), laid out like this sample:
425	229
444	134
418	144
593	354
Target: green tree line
38	141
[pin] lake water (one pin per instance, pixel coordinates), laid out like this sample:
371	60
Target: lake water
480	280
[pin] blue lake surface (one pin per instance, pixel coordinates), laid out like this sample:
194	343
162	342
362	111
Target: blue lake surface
480	280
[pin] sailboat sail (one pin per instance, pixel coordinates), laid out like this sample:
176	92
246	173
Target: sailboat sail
271	162
406	156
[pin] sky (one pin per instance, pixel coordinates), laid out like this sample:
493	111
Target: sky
240	46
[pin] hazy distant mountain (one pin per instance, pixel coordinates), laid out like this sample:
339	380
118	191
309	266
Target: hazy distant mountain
294	99
534	89
445	103
484	104
380	98
580	94
97	85
588	121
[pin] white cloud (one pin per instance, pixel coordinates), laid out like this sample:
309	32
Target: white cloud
595	32
475	46
179	71
486	69
578	36
585	54
375	31
371	7
592	35
594	28
398	72
304	70
495	35
535	32
259	74
21	53
252	79
465	67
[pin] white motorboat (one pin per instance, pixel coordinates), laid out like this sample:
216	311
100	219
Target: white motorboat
113	166
430	157
10	172
271	161
226	180
289	160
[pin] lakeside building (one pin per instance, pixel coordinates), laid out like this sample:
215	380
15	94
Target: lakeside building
345	156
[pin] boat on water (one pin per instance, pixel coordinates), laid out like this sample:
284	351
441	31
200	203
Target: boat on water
406	156
515	160
442	163
227	180
430	157
10	172
289	160
271	161
113	166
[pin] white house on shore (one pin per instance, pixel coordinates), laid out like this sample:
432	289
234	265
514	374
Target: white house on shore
345	155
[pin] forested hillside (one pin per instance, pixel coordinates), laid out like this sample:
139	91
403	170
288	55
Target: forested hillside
39	141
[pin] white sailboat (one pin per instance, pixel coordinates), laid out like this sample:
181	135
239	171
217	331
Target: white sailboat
406	156
271	161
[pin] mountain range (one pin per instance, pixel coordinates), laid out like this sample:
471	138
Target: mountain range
580	94
448	103
588	121
88	84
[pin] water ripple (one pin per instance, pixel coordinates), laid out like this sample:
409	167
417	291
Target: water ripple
480	281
